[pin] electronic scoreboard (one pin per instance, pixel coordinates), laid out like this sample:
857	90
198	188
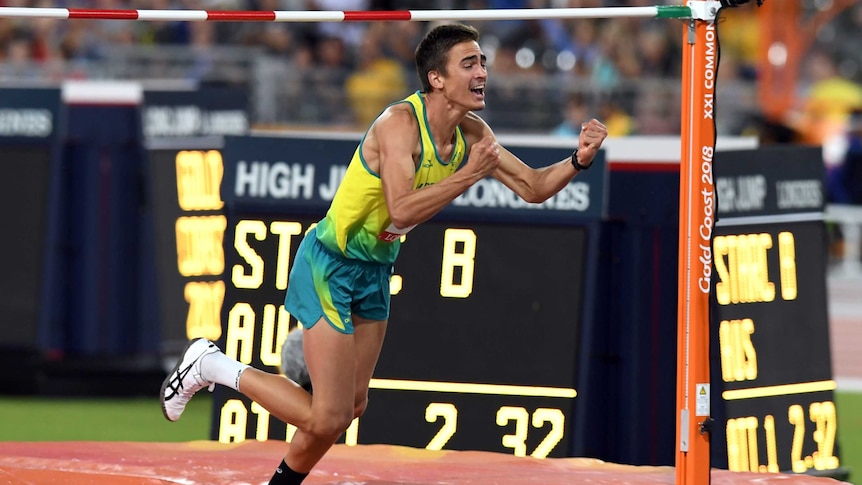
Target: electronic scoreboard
769	314
29	130
188	230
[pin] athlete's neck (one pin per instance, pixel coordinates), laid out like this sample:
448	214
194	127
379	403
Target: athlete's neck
443	118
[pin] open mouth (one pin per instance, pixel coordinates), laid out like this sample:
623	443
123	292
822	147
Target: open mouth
478	90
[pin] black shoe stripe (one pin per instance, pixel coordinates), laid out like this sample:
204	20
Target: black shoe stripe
168	382
176	384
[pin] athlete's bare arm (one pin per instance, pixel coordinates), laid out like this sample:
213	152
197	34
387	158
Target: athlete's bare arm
537	185
392	148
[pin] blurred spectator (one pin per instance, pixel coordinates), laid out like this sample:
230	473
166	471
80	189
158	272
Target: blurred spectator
401	39
328	78
352	33
18	57
845	179
827	102
657	55
294	94
604	70
504	29
736	98
80	43
167	32
202	41
656	112
575	113
739	38
585	46
517	98
619	122
377	81
278	38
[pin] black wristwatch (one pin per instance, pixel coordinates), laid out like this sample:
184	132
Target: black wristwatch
576	163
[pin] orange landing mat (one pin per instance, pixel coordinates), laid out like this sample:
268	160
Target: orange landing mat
253	462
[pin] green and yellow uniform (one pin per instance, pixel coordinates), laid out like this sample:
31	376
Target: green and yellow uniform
343	265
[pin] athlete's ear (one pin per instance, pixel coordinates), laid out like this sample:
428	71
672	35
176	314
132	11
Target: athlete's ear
435	79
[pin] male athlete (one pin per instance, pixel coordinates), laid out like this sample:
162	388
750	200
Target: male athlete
412	162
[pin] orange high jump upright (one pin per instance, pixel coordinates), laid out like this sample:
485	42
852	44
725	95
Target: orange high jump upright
696	221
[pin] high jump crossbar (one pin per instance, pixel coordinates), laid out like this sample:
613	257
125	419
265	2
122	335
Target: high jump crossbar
660	11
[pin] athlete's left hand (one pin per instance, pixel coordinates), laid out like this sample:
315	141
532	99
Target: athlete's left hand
593	133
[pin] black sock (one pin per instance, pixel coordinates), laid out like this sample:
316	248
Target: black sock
284	475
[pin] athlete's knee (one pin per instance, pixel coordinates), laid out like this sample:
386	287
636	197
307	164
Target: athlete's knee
330	424
360	406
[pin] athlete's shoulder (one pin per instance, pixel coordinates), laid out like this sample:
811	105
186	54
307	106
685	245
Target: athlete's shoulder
395	127
401	108
397	116
475	128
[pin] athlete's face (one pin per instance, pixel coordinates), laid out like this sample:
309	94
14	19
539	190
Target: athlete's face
466	76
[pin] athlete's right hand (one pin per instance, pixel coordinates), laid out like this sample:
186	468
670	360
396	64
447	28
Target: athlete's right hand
484	157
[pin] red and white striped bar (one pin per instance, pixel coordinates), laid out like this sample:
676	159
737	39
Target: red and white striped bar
678	12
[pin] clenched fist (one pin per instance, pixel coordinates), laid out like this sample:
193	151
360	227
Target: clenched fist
484	157
593	133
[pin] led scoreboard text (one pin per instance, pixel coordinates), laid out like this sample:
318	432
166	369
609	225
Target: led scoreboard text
199	231
770	324
418	406
800	433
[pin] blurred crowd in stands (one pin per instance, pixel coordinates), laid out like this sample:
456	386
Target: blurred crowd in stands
545	75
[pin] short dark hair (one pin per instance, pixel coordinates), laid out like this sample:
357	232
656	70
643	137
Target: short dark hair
432	53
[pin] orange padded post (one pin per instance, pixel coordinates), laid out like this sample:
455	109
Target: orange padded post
696	222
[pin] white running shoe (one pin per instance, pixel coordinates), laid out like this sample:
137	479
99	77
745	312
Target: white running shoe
185	380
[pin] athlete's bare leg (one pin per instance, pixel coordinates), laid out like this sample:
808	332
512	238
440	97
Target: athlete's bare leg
282	397
340	384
